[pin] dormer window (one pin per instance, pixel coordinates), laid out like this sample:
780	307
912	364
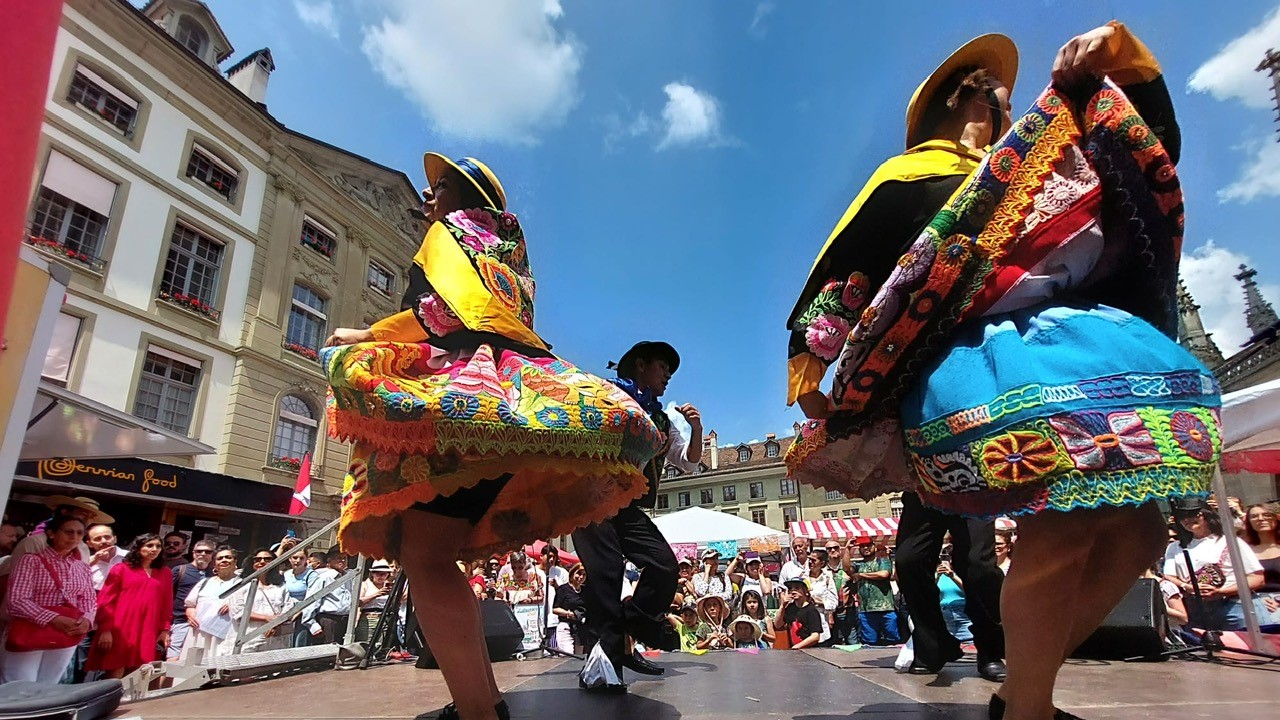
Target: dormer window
192	36
672	471
209	169
771	449
744	454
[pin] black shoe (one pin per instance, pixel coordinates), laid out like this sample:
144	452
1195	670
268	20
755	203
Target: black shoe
918	668
619	689
993	670
450	712
642	665
995	711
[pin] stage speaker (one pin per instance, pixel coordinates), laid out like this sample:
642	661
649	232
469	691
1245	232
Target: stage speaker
1135	628
502	634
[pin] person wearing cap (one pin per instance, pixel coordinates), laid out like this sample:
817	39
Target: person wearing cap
685	624
878	620
798	617
754	578
644	371
469	436
711	580
684	584
972	300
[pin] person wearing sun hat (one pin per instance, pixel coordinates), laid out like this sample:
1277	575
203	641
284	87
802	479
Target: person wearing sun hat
469	436
644	372
713	618
973	298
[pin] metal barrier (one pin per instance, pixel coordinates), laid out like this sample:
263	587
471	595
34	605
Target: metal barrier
163	678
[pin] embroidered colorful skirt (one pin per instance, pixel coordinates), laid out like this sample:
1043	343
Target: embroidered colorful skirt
427	423
1058	408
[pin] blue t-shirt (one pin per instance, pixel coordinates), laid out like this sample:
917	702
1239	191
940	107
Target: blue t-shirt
949	590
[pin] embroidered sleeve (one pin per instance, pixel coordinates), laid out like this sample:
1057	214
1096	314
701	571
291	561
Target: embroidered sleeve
1138	74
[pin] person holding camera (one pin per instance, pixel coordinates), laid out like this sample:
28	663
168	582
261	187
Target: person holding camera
570	611
1217	607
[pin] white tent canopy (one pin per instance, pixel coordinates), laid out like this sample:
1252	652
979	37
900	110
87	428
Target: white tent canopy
702	526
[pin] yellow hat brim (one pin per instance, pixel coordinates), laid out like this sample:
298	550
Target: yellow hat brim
434	164
994	52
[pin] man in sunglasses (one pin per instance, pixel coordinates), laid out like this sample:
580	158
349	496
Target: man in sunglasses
174	552
185	577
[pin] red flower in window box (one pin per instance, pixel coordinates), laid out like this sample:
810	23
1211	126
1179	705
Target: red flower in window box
302	350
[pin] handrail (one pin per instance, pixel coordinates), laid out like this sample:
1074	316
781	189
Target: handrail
244	634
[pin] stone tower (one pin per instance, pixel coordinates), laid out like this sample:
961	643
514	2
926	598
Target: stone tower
1271	65
1191	332
1258	313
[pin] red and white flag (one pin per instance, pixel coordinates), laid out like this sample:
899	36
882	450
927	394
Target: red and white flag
302	490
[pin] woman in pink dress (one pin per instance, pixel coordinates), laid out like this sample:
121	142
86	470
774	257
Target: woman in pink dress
135	607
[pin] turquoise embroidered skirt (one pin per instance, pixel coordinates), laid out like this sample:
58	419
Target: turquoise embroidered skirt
1060	407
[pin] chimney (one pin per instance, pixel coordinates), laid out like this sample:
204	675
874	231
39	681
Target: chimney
710	444
251	74
795	429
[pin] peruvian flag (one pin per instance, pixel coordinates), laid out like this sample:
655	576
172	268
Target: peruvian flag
302	490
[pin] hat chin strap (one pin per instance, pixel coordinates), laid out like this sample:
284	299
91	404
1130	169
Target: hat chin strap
997	117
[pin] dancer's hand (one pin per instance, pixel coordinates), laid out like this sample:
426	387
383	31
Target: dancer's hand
816	405
691	415
349	336
1084	55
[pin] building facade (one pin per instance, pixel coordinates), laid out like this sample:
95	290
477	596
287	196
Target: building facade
750	480
212	249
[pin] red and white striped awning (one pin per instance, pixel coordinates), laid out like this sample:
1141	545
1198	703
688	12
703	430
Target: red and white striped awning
845	528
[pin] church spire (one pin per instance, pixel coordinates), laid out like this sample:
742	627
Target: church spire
1191	333
1258	313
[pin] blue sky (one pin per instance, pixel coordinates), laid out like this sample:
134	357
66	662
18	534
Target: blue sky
677	164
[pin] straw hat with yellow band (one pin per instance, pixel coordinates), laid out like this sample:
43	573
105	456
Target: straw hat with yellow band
993	52
471	169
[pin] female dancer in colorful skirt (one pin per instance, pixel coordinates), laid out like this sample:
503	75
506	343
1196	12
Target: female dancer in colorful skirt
470	436
1022	346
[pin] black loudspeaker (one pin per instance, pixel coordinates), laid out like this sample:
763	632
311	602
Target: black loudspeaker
502	634
1135	628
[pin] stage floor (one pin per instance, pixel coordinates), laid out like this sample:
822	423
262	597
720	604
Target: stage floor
796	685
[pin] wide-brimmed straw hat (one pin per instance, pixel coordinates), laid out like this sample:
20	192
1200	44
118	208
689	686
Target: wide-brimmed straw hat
471	169
56	501
709	599
756	633
995	53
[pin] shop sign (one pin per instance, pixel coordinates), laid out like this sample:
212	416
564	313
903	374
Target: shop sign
163	482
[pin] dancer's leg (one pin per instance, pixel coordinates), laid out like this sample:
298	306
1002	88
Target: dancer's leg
1055	593
642	543
920	532
974	558
448	611
597	546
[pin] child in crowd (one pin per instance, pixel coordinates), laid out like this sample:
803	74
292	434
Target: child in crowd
746	633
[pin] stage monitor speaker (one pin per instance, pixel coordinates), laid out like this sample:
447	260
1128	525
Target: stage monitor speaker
1135	628
502	634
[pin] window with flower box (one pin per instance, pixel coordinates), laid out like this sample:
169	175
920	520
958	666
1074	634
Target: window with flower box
203	165
318	238
167	389
97	95
71	213
308	322
295	433
381	279
191	271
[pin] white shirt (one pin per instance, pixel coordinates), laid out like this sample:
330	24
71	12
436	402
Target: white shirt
792	570
1205	551
558	577
99	570
823	591
336	602
679	446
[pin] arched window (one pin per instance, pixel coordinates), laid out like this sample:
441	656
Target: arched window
191	35
295	432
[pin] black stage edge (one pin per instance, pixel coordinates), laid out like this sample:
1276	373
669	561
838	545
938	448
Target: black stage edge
722	685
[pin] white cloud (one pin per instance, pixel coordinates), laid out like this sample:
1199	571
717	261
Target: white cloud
496	70
617	129
318	16
1258	178
763	9
1209	272
691	117
1230	74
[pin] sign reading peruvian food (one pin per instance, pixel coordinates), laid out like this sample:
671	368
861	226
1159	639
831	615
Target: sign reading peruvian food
163	482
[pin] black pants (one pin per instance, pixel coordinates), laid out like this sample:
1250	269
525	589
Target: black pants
920	534
602	548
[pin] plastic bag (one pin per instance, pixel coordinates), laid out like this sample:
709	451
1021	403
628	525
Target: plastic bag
905	656
598	672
